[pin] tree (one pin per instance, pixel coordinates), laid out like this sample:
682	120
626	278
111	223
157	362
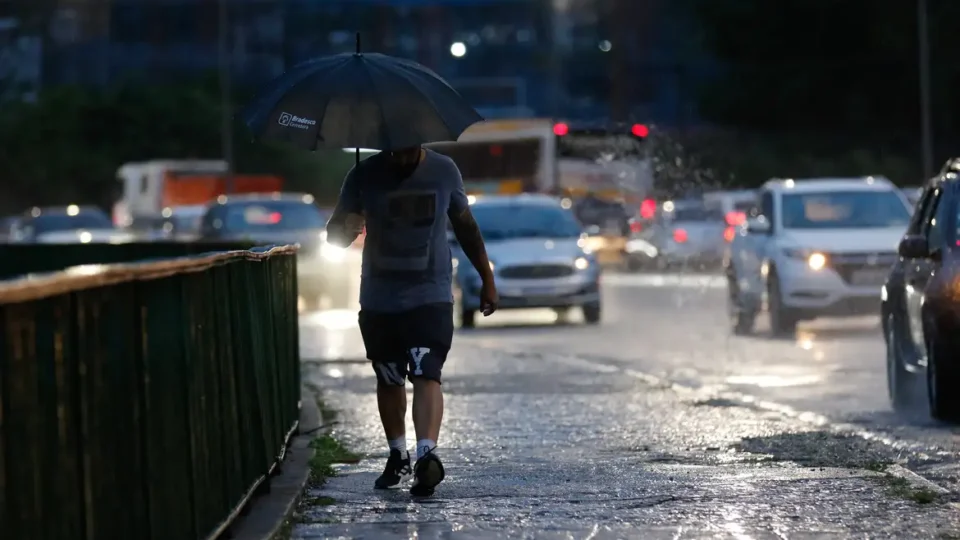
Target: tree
67	145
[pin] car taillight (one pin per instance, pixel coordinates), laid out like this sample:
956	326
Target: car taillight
635	227
729	233
648	208
735	219
679	236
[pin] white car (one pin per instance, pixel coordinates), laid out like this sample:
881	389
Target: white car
539	257
820	247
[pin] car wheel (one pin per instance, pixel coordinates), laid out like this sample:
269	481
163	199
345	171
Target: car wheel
592	313
783	321
899	380
742	320
942	378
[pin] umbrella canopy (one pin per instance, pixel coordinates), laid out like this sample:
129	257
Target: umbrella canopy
360	101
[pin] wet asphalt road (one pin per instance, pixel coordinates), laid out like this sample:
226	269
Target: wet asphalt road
565	428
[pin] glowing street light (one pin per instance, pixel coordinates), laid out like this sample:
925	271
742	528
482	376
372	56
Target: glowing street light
458	49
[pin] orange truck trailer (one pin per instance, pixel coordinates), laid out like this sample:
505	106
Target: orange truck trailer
149	187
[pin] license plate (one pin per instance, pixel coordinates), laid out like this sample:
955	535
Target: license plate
532	291
871	277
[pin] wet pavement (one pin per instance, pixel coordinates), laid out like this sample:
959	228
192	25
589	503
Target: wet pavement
570	432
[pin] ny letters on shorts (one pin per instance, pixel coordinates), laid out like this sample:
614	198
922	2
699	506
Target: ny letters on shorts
417	354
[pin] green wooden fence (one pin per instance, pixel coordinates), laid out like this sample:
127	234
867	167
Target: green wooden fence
145	401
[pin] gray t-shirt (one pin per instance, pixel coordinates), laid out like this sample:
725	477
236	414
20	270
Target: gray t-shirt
406	255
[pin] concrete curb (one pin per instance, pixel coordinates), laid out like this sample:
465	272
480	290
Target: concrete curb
269	513
915	480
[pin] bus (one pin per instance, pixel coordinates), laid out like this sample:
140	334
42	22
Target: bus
541	155
505	156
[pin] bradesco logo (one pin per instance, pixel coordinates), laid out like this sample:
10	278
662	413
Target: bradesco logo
294	121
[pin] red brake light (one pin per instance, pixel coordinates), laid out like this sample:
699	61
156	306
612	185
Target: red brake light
728	234
679	236
635	227
274	218
640	130
561	129
735	219
648	208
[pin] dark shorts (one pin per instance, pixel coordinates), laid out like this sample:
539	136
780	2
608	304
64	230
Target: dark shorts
410	343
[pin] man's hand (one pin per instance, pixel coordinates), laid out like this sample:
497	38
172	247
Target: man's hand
344	227
489	299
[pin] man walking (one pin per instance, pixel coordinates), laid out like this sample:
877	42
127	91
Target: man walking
406	198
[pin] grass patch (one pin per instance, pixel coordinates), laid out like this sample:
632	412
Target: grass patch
327	453
902	488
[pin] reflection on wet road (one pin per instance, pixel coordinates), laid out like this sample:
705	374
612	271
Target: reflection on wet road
567	428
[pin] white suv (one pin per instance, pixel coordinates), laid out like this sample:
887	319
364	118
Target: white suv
820	247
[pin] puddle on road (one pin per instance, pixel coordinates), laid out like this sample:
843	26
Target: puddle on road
821	449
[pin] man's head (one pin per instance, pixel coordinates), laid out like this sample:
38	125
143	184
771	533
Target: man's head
404	156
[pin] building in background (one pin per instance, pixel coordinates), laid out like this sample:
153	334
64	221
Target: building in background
627	60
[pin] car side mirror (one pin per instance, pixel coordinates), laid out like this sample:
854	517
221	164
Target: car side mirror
592	230
913	246
758	225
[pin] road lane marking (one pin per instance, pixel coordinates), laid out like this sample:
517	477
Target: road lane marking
686	281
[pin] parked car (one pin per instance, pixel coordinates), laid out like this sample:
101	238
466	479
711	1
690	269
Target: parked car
324	271
820	247
682	233
920	306
65	224
538	253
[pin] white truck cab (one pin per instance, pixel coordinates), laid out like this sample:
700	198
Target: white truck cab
818	247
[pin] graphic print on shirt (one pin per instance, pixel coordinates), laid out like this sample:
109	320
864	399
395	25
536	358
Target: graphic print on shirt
404	235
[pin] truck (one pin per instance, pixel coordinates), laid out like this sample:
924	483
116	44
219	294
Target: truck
148	188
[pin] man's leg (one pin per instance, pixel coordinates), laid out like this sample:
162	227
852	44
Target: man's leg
389	364
427	409
392	402
430	335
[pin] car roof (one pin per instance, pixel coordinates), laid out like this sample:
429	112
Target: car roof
38	211
305	198
530	199
820	185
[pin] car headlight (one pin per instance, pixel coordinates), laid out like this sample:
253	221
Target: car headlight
332	253
581	263
815	260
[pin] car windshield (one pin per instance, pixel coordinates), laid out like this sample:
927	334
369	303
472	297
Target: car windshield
47	223
272	216
502	222
844	210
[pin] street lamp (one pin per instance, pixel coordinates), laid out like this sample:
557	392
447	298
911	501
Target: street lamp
458	50
926	124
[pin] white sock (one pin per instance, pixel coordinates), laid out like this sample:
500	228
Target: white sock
398	444
424	446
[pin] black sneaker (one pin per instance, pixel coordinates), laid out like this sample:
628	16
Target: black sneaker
427	473
398	466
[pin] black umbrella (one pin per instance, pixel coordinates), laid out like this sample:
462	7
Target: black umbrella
359	101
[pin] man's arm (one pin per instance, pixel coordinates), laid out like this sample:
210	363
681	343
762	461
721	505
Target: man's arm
346	222
465	228
471	242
